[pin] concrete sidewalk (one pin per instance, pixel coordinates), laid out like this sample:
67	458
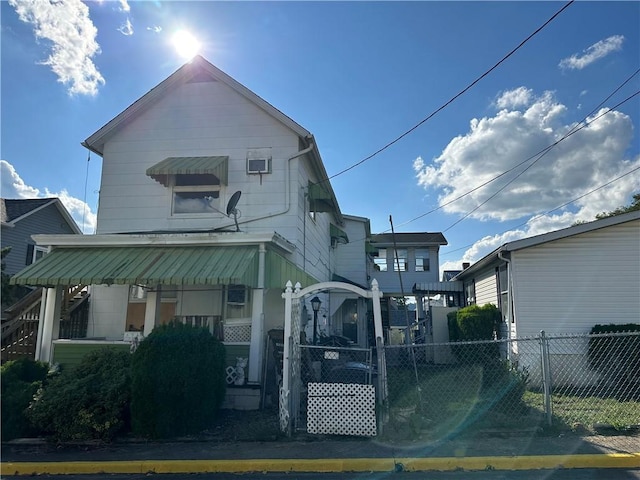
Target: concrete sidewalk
323	454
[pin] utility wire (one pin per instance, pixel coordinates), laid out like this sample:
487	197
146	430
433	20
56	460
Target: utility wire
554	209
544	150
455	97
577	127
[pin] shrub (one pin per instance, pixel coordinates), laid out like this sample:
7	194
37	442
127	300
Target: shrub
617	358
20	381
178	381
88	402
474	323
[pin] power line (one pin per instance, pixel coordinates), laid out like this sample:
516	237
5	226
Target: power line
556	208
541	152
576	128
455	97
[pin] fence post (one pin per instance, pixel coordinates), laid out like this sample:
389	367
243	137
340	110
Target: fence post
546	376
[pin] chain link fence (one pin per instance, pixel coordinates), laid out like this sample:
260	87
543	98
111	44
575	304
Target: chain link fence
582	383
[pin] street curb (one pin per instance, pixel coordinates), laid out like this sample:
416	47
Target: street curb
326	465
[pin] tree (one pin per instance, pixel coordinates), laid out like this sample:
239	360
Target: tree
635	205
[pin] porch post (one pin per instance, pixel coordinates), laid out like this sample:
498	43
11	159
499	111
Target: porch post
377	311
152	310
51	318
43	309
257	321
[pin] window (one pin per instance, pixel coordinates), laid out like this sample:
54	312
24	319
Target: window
400	261
196	194
380	262
238	302
39	252
422	260
470	292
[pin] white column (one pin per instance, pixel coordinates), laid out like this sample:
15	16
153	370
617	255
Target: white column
257	321
51	318
152	310
43	304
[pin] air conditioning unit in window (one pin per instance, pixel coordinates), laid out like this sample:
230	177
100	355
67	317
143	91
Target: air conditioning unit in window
258	165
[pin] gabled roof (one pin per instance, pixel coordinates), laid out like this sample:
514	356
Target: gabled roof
414	239
548	237
15	210
197	68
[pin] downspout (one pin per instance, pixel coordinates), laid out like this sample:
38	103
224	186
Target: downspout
510	311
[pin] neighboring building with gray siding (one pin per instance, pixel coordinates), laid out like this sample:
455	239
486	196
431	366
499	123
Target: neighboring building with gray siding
24	217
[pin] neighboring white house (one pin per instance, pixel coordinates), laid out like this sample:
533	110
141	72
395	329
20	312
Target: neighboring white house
563	282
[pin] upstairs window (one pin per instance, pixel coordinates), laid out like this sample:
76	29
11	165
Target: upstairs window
422	260
400	261
195	182
380	261
196	194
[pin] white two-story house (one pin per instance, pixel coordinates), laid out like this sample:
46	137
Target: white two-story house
211	200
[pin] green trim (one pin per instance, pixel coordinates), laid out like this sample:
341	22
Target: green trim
321	200
218	166
338	234
279	270
69	355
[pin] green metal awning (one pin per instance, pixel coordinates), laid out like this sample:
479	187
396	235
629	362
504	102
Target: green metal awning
144	266
320	199
338	234
218	166
187	265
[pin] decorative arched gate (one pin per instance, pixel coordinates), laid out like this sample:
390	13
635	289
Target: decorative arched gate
349	400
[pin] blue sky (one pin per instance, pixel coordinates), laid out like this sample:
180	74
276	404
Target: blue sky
357	75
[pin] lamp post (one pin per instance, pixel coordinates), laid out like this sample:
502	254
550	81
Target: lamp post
315	305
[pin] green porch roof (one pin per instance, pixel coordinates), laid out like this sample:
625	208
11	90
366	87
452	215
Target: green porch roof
185	265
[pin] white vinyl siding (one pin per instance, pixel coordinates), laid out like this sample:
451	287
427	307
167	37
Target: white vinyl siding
570	285
486	288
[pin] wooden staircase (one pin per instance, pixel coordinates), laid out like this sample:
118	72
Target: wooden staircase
20	325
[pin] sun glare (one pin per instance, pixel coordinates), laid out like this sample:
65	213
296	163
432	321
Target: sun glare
186	45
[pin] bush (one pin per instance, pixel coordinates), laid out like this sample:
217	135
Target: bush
617	358
88	402
21	379
474	323
178	381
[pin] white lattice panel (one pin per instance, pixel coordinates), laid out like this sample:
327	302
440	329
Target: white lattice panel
237	333
341	409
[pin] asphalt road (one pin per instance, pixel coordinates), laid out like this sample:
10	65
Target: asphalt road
573	474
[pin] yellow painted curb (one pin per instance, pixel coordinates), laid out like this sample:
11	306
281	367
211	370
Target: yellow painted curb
331	465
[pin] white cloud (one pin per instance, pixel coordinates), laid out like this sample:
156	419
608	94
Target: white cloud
66	24
124	6
595	52
14	187
494	145
126	28
578	165
155	29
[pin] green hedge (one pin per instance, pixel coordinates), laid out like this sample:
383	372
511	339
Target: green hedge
617	358
178	381
474	323
87	402
21	379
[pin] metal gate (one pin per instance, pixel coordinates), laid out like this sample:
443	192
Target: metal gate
330	382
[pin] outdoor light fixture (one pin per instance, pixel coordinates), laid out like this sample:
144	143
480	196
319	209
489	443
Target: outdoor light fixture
315	305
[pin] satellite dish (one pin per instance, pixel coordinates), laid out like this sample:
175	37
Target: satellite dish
231	207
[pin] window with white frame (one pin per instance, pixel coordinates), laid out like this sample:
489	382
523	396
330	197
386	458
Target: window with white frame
380	261
422	260
196	194
39	252
400	261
